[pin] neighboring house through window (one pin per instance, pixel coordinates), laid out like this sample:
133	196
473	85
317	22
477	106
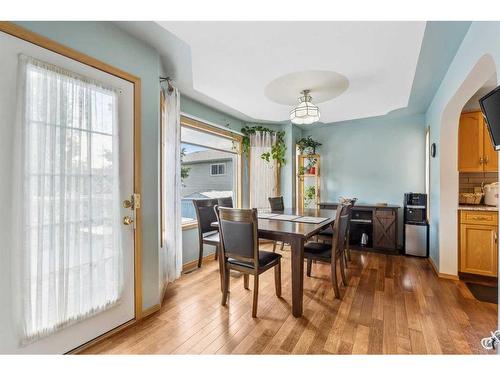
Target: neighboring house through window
211	164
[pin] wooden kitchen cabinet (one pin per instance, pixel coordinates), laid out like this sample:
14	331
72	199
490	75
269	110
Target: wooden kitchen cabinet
490	155
475	150
479	242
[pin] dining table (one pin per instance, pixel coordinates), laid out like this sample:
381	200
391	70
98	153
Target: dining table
296	233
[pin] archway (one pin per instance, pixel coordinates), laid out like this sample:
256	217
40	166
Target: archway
482	71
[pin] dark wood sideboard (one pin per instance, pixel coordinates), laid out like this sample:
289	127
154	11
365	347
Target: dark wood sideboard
380	223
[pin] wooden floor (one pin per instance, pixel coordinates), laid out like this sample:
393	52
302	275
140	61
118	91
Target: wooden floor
393	304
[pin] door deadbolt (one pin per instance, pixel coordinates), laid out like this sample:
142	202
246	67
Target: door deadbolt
128	203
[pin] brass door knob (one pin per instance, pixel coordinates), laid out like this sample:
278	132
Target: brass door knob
127	220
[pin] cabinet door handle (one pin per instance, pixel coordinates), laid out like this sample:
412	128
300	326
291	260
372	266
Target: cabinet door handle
495	237
481	160
486	159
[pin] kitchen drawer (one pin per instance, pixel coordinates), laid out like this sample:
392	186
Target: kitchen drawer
479	217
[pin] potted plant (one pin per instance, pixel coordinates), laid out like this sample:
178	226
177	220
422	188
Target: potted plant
309	195
311	165
308	145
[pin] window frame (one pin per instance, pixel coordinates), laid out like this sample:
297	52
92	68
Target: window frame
218	165
205	127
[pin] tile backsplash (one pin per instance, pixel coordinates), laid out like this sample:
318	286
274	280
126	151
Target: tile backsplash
467	181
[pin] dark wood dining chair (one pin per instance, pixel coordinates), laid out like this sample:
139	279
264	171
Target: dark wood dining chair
225	202
277	204
332	253
352	202
326	234
240	251
207	235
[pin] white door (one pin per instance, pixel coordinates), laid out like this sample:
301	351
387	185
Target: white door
108	248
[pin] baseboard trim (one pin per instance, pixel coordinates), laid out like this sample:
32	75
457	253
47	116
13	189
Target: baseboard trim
163	291
434	268
192	265
151	310
439	274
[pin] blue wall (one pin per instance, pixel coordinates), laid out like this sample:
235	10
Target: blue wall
375	160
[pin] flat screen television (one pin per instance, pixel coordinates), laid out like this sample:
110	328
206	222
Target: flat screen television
490	106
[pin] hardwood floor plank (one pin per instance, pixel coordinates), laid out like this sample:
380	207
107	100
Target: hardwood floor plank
361	341
417	342
376	338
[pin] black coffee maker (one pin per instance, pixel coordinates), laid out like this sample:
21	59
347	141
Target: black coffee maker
416	228
415	208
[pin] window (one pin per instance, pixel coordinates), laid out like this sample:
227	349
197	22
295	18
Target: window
210	165
218	169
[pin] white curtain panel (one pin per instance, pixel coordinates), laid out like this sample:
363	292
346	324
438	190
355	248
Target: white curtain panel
171	251
67	243
263	176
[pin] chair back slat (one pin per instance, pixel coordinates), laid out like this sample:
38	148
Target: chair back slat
351	202
340	229
276	203
205	214
238	230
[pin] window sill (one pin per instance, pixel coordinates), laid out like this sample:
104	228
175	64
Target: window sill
188	226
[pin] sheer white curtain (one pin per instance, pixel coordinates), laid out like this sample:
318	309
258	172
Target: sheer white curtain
171	252
263	174
67	230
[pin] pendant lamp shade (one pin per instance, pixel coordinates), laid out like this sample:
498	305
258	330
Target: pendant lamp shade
306	112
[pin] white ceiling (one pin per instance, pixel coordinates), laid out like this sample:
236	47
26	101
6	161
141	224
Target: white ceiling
232	63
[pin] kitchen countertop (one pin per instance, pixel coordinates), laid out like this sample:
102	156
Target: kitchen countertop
477	207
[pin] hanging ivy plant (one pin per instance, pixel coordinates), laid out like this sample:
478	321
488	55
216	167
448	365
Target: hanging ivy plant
277	150
308	144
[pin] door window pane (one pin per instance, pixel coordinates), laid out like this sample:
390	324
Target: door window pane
71	251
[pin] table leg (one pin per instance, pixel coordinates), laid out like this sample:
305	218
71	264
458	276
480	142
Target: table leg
297	245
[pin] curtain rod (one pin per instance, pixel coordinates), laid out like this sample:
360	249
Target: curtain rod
169	83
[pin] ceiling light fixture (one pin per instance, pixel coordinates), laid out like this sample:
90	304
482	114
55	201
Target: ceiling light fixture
305	113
